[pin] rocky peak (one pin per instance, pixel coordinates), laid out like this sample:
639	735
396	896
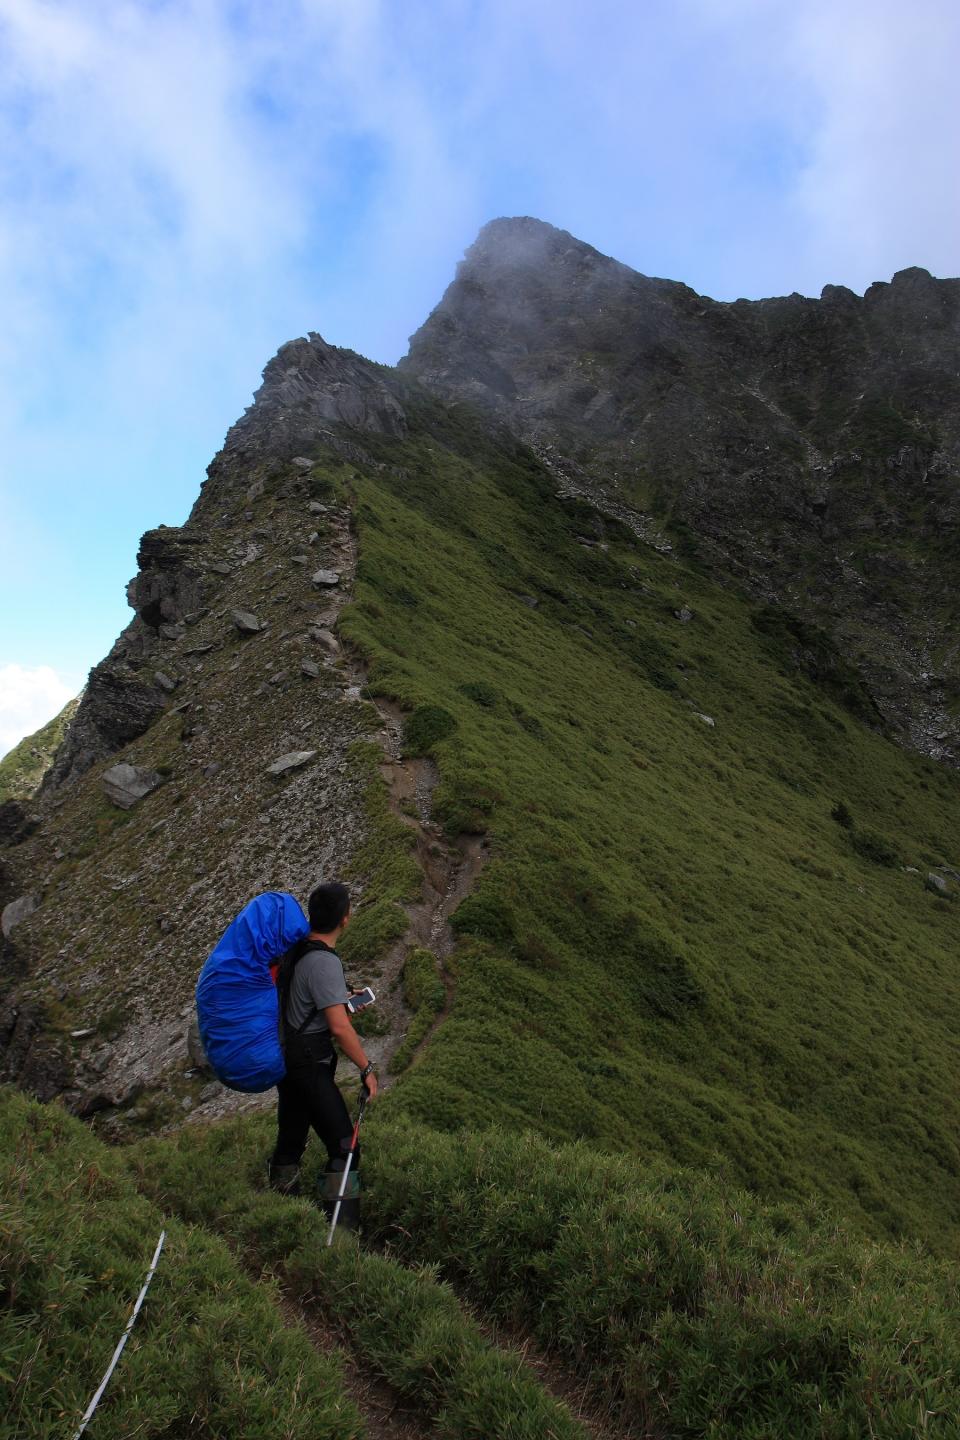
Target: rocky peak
810	447
308	387
523	289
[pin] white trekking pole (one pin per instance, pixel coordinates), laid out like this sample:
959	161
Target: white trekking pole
346	1168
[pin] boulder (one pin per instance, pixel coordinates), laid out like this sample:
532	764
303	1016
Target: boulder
707	719
293	760
934	882
124	785
310	668
16	911
301	462
326	638
166	682
326	579
246	623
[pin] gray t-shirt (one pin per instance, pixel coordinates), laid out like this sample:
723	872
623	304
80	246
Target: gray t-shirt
317	982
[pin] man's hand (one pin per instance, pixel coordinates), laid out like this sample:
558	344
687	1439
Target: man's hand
371	1086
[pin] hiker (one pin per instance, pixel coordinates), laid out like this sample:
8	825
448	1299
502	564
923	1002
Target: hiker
313	995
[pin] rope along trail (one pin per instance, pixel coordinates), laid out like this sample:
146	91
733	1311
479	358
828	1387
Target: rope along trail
123	1339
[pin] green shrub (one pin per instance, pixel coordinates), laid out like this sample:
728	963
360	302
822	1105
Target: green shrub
526	720
842	815
422	986
427	725
480	693
373	929
465	801
874	847
486	917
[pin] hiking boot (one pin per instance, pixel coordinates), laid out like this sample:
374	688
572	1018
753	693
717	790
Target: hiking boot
284	1178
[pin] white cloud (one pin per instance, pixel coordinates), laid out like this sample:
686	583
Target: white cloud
185	184
864	94
29	697
880	189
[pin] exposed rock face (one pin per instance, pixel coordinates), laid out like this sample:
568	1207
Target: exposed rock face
125	694
124	785
16	823
119	704
169	585
810	447
308	387
16	911
129	904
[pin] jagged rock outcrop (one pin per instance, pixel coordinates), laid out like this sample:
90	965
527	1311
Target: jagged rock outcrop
809	447
169	585
308	388
119	704
311	393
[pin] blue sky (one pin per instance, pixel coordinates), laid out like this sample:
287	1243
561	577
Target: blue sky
185	184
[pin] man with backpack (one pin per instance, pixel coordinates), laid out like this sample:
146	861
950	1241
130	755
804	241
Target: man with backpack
313	995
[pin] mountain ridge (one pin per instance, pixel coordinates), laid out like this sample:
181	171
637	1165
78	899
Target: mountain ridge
375	578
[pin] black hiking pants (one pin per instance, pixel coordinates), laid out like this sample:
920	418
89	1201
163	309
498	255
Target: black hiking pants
307	1096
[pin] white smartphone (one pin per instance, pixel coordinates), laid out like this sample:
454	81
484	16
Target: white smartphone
361	1000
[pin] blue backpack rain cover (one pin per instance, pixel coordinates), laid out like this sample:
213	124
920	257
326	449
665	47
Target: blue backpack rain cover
236	998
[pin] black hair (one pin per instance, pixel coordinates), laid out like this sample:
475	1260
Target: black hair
327	906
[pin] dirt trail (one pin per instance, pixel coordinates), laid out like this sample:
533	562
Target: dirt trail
582	1402
449	867
386	1414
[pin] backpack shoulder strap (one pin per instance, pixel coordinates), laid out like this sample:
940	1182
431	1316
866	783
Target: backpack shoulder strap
288	965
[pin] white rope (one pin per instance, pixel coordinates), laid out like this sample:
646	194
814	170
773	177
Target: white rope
123	1339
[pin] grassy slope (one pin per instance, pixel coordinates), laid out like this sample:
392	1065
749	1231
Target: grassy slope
675	950
209	1354
690	1308
23	767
